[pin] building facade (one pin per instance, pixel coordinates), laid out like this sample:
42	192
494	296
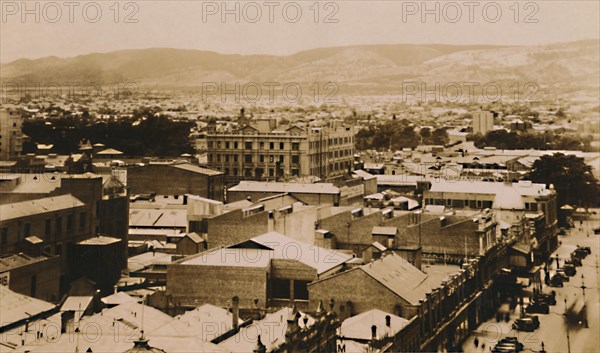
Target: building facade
265	152
11	136
483	122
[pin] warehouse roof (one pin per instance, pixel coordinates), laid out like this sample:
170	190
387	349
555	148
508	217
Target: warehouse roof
258	252
277	187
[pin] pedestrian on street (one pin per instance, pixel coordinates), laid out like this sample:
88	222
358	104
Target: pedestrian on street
476	342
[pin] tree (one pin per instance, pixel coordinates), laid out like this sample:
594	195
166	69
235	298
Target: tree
573	180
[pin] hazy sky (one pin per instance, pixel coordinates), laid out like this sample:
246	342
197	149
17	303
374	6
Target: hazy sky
67	28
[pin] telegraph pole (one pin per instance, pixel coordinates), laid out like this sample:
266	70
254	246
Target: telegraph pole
567	324
583	287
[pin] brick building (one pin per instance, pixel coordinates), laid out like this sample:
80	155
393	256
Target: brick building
35	276
509	202
272	268
263	151
175	179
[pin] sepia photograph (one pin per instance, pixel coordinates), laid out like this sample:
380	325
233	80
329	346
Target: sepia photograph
299	176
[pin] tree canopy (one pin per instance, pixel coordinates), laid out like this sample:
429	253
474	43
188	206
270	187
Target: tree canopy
573	180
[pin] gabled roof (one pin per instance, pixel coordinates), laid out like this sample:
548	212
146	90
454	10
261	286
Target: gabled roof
260	250
109	151
118	298
399	276
194	237
359	326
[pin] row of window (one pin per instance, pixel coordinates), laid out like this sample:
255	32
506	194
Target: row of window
340	153
256	172
48	227
248	145
333	142
248	158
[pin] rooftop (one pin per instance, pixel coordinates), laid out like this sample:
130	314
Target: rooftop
277	187
43	205
258	252
359	326
16	307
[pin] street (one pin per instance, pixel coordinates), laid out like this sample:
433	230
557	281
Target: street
553	329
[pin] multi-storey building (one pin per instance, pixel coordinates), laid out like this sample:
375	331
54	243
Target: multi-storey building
264	151
483	122
11	136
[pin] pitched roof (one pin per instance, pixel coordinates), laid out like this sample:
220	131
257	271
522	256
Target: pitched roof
399	276
258	252
194	237
359	326
37	206
16	307
99	240
118	298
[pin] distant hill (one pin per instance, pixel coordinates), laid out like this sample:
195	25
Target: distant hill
373	68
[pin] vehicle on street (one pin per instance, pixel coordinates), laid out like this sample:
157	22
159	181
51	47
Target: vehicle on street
597	230
514	341
574	260
557	281
587	249
537	307
561	272
569	269
548	298
527	323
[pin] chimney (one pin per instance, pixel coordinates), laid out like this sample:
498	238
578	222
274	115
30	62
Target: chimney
373	332
388	321
115	288
235	312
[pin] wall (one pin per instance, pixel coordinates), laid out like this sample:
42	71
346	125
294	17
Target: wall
197	285
364	292
231	228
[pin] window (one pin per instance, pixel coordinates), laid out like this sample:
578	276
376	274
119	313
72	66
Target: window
281	145
281	159
48	228
296	172
226	171
262	158
82	220
218	158
27	230
226	158
262	145
271	172
271	159
295	146
70	222
58	225
235	157
280	288
235	145
227	144
235	171
296	159
248	145
271	145
248	158
448	202
301	290
4	237
248	172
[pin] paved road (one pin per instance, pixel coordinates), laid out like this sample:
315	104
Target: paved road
553	328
